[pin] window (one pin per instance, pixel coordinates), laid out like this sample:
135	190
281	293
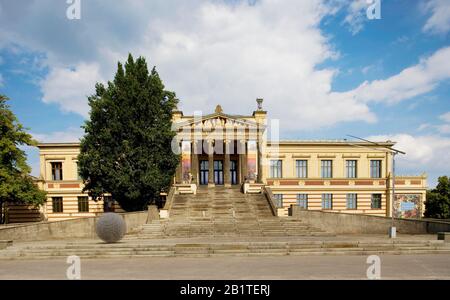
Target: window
108	204
376	201
57	204
327	168
78	172
352	201
375	168
302	201
350	166
327	201
301	168
276	168
83	204
57	171
278	200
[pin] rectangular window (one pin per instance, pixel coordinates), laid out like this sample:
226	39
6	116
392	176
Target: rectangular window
78	172
376	201
57	204
352	201
375	168
108	204
327	201
326	168
350	166
57	171
276	170
83	204
278	200
301	168
302	201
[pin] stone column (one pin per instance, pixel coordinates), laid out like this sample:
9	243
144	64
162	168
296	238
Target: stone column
243	160
194	160
259	162
179	171
226	164
211	164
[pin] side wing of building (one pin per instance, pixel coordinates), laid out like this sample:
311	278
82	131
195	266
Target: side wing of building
340	176
59	178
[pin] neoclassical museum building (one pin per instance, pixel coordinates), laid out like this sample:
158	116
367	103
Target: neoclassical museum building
221	150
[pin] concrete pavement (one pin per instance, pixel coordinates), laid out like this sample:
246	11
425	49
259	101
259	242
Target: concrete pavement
229	268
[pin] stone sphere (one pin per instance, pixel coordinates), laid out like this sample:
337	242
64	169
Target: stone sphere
110	227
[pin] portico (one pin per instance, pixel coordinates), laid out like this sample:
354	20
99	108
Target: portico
219	149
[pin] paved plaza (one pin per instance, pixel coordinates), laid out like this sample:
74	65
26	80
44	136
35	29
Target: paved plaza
229	268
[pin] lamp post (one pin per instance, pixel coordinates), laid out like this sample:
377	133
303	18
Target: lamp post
392	229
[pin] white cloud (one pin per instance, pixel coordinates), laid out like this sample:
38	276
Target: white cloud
210	53
69	135
439	20
423	126
444	129
445	117
410	82
430	153
356	15
69	88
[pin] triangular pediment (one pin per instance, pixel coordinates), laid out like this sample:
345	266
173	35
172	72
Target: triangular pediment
217	119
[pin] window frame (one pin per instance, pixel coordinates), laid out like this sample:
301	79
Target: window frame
326	200
372	206
328	168
83	206
305	199
354	168
301	169
354	200
53	168
58	203
278	200
373	168
276	165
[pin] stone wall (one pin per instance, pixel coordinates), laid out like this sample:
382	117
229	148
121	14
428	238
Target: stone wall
67	229
341	223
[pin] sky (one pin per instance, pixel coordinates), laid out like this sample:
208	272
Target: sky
325	68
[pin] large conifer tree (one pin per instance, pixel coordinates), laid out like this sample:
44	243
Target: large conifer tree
126	150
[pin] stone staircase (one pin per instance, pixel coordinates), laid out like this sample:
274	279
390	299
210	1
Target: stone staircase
136	249
224	212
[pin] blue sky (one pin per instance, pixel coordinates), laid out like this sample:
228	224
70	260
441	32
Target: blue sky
324	69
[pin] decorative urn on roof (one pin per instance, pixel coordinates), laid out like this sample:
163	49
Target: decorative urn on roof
260	102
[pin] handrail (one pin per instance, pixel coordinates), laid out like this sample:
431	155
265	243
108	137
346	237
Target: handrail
169	198
270	199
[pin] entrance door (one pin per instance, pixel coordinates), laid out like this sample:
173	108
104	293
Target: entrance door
233	171
204	172
218	172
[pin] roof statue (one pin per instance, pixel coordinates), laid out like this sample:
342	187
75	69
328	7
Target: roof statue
219	109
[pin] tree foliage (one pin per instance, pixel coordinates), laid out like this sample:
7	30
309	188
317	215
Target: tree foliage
438	200
126	150
16	184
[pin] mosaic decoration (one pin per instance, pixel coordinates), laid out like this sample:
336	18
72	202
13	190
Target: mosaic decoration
408	206
251	159
186	161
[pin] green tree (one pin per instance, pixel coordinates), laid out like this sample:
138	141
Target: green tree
16	184
438	200
126	150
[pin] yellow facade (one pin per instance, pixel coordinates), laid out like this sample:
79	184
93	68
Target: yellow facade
222	149
69	188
